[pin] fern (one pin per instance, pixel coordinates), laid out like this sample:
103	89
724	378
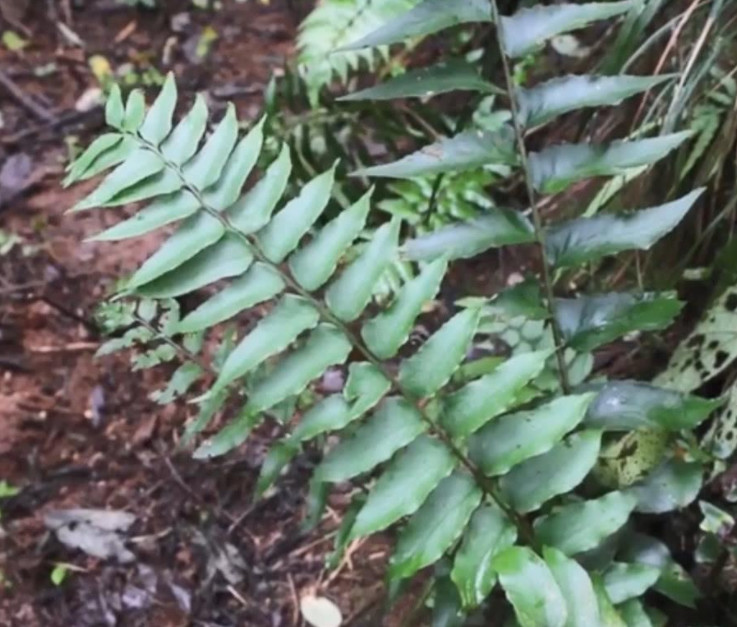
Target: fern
483	462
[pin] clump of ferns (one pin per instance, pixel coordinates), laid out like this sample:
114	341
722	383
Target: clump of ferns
484	462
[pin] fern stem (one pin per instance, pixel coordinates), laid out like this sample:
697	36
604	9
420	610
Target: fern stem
547	279
486	484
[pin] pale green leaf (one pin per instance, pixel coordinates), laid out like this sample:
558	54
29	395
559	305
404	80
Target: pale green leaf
527	30
272	334
431	367
446	76
101	145
231	436
139	165
497	227
466	151
349	294
624	581
237	168
160	184
315	262
608	614
672	485
471	407
205	167
158	121
488	533
590	321
404	485
514	438
548	100
532	483
428	17
436	525
282	235
556	168
393	426
575	242
326	346
386	333
634	614
254	209
259	284
114	109
576	587
530	588
135	110
629	405
182	143
194	235
583	526
228	257
160	212
118	153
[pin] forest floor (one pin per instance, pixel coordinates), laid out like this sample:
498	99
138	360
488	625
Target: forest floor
80	432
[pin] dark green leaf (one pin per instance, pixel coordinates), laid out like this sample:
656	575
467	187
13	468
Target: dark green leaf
330	414
532	483
326	346
497	227
514	438
589	322
274	333
531	588
393	426
575	242
275	462
576	587
436	525
349	294
527	30
404	486
488	533
557	167
674	582
365	387
624	581
465	151
471	407
428	17
672	485
231	436
548	100
583	526
630	405
431	367
451	75
386	333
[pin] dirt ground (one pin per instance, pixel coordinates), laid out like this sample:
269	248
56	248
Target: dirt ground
78	432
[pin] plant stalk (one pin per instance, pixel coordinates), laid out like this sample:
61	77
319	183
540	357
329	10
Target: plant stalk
532	199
